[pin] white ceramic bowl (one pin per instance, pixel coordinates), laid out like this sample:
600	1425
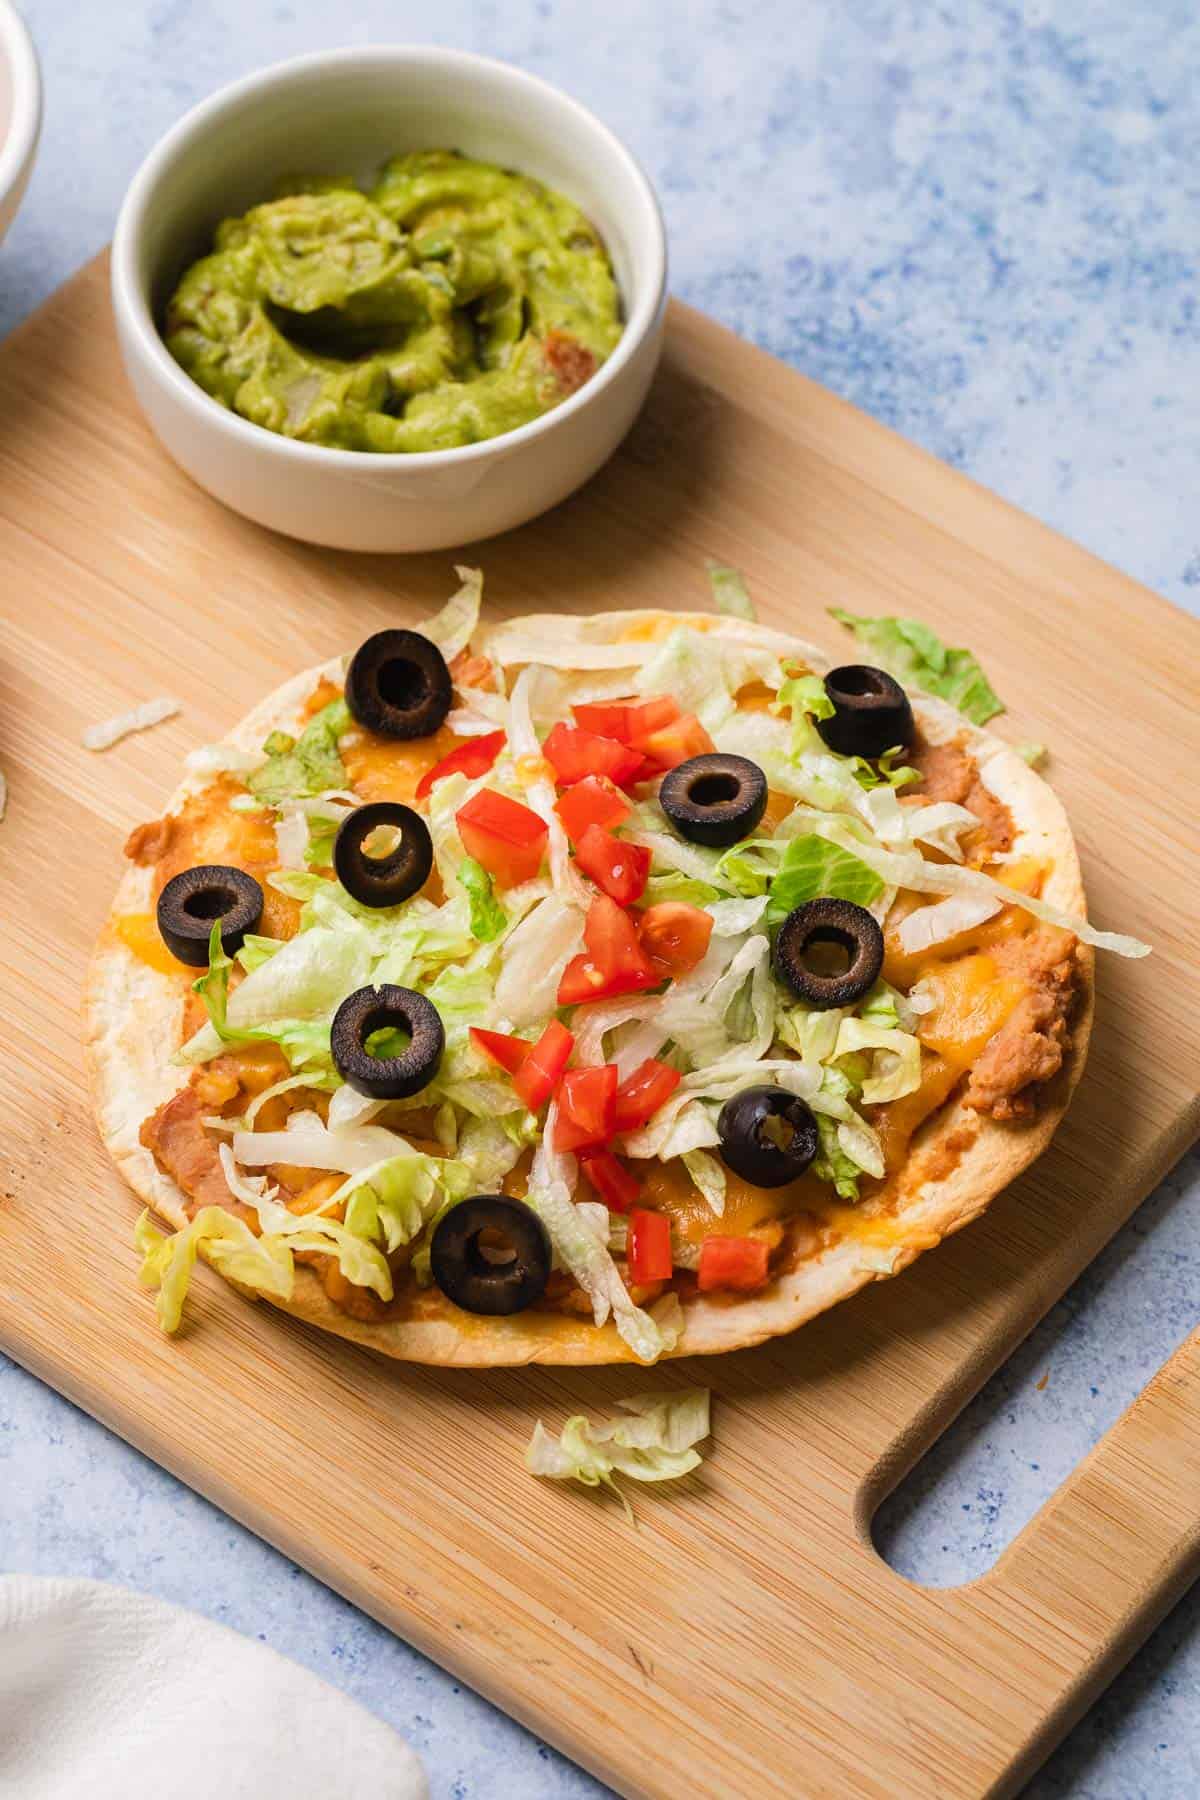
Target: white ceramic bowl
20	111
345	111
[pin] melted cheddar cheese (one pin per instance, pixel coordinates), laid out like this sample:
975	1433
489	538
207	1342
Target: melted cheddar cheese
139	933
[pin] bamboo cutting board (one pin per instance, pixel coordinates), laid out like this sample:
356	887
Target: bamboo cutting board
744	1640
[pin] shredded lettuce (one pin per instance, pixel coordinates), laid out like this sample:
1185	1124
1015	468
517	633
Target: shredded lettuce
897	1059
915	654
656	1443
1034	754
534	956
305	765
814	867
730	593
670	884
262	1263
255	951
453	628
551	1180
488	917
832	1164
709	1177
393	1201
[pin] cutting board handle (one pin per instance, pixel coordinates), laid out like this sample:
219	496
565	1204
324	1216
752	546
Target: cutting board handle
1116	1546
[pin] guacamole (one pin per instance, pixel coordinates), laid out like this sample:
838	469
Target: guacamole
449	303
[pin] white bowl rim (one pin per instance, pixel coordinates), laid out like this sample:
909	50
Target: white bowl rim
16	47
129	298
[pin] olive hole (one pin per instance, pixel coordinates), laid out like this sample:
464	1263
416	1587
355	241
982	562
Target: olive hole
488	1250
210	903
379	844
828	953
778	1129
714	790
387	1041
860	682
401	684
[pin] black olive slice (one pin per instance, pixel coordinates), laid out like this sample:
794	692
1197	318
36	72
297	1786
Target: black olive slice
382	880
491	1254
714	799
871	712
829	952
768	1136
398	685
192	901
373	1009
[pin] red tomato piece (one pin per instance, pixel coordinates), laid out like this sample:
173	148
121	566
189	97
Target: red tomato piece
675	935
506	837
541	1069
498	1047
629	721
639	1098
649	1247
611	941
674	744
732	1262
592	801
472	759
574	754
620	868
581	981
615	1184
586	1101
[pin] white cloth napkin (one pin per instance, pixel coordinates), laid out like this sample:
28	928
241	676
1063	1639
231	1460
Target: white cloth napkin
112	1696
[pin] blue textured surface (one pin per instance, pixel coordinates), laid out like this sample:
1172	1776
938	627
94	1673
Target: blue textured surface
979	222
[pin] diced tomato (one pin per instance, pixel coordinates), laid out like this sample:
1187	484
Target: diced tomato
732	1262
506	837
582	981
611	941
648	1251
639	1098
574	754
613	961
675	935
620	868
542	1068
472	759
674	744
592	801
498	1047
629	721
615	1184
586	1101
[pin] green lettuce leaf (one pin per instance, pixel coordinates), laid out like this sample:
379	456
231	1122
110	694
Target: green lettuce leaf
729	592
453	628
255	951
657	1443
261	1263
308	765
887	772
393	1200
913	653
831	1163
488	917
813	867
672	885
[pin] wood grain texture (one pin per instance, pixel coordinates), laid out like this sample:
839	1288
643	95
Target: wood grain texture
745	1640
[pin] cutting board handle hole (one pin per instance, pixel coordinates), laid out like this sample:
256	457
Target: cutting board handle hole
984	1478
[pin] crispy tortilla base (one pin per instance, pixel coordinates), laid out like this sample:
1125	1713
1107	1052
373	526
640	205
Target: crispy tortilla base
133	1028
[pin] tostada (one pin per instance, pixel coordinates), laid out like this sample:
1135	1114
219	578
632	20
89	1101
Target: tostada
585	989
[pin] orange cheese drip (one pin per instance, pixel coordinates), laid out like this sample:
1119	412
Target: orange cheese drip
139	933
381	768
